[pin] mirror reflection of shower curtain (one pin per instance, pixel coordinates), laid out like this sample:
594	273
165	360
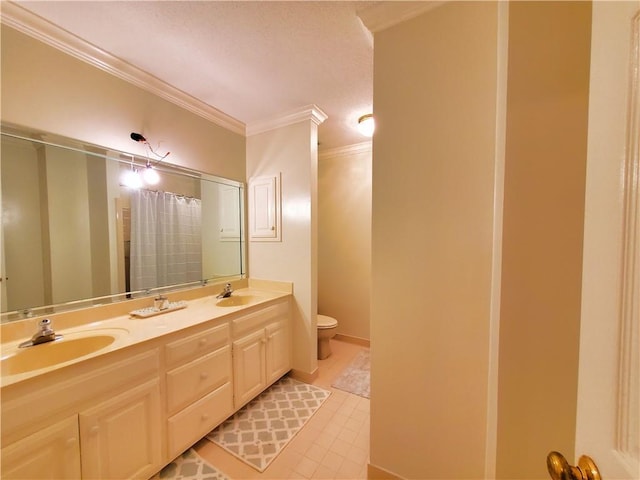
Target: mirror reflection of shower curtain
166	240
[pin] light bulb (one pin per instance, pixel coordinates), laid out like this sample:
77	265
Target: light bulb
150	175
131	178
366	125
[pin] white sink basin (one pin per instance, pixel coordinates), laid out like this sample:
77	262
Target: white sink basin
238	300
69	347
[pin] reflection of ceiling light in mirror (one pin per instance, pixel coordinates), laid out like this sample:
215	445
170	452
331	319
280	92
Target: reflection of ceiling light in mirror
366	125
131	178
150	175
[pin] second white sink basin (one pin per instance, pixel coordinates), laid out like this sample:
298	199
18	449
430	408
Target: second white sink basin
238	300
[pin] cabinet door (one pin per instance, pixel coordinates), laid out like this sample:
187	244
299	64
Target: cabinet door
278	351
229	212
248	367
120	438
264	208
52	453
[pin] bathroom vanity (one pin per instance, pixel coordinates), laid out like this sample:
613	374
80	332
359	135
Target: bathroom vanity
132	406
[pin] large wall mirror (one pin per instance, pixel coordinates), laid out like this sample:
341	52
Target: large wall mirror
74	234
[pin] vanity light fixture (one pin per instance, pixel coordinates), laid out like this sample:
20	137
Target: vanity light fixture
150	175
137	137
131	178
366	125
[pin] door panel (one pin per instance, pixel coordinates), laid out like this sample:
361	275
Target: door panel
607	417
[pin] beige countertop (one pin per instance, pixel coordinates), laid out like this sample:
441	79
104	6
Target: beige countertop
130	330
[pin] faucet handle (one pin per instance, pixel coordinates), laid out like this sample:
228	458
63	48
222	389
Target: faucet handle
46	327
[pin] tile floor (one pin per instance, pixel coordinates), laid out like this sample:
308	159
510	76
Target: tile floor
334	444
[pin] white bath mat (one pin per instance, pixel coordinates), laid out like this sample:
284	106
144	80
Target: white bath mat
258	432
356	378
190	466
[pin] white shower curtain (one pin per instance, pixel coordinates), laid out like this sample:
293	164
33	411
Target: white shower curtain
166	240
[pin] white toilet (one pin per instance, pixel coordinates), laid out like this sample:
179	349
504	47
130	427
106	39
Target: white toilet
326	330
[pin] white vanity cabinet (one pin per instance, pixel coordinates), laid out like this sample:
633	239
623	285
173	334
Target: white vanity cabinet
261	351
127	413
120	438
105	411
54	450
199	392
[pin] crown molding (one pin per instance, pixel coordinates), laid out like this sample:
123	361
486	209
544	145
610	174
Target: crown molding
36	27
383	15
310	112
356	148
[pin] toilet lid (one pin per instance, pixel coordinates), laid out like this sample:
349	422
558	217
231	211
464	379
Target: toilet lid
326	322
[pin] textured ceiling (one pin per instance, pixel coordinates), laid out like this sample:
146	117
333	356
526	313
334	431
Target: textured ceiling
253	61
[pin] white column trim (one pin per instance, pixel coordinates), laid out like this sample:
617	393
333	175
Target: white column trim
387	14
309	112
364	147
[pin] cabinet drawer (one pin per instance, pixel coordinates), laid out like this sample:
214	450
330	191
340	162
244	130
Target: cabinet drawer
193	423
249	323
188	383
196	345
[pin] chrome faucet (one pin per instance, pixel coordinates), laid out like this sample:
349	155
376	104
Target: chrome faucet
226	292
44	334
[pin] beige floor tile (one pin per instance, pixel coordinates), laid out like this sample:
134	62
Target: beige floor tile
349	469
323	472
347	435
340	446
306	467
316	452
358	455
332	460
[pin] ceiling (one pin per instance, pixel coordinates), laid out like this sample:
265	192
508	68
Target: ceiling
253	60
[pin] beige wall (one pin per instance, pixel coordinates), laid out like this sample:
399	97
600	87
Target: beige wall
434	151
45	89
292	152
547	108
344	238
435	93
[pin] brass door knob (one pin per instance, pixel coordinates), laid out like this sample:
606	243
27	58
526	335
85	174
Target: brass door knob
559	468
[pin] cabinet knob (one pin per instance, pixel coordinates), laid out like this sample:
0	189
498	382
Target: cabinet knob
204	375
71	442
203	341
205	417
94	431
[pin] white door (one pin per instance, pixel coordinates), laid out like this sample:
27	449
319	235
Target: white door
608	405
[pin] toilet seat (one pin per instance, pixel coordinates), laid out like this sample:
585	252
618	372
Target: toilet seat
326	322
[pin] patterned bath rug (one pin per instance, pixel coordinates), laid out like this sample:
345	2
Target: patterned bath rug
190	466
259	431
356	377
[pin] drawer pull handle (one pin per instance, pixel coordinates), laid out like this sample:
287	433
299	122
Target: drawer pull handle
203	341
204	375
